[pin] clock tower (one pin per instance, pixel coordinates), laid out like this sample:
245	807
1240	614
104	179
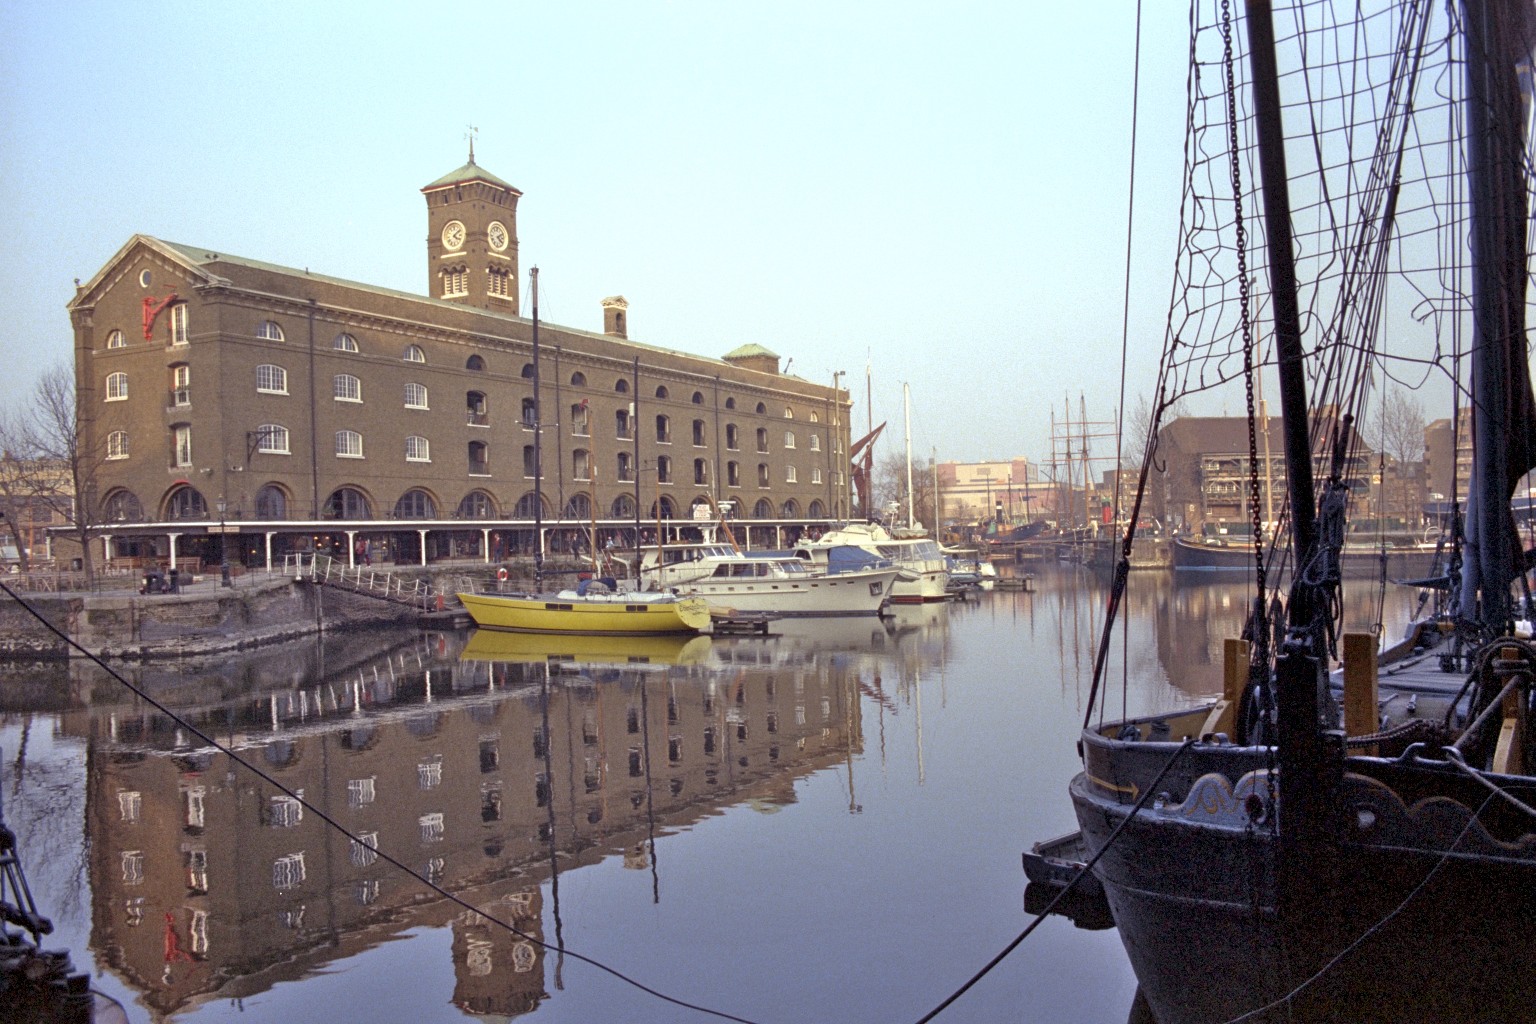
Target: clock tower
472	238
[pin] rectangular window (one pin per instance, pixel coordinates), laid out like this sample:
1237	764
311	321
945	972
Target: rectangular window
364	850
284	812
789	439
360	792
117	444
349	444
272	439
183	438
179	324
789	475
431	827
415	396
117	387
181	385
288	872
417	450
816	476
429	774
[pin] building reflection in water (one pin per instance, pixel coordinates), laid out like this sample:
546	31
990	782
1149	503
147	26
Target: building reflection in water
489	775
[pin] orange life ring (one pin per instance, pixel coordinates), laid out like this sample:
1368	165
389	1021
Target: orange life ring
501	574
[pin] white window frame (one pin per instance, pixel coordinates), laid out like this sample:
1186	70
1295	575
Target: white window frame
117	387
117	445
179	328
789	439
272	439
270	330
414	354
181	385
344	342
417	398
790	476
346	388
418	449
116	339
278	379
183	437
345	449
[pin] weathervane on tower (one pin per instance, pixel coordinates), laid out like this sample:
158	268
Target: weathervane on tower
470	135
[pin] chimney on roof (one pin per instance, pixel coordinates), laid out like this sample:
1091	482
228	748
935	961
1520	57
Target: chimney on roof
615	315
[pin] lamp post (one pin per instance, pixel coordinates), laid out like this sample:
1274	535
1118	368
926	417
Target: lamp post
223	544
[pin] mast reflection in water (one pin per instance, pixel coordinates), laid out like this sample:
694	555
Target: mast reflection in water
820	824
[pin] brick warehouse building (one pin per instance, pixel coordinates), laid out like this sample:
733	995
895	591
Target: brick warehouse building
229	398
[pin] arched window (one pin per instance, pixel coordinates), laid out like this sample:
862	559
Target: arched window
117	387
475	363
186	502
621	386
414	354
415	396
272	439
789	413
730	402
117	445
349	444
791	509
668	510
663	430
762	410
122	506
623	507
661	391
269	331
344	342
477	505
698	433
115	339
527	504
527	371
664	469
763	509
416	504
346	388
476	414
733	474
698	398
348	503
578	379
579	506
271	503
700	471
581	464
271	380
626	466
816	510
815	416
479	458
417	449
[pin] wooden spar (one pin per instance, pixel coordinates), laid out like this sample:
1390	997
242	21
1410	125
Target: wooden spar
1360	687
1310	760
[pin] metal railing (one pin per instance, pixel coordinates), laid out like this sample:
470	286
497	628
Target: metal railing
380	583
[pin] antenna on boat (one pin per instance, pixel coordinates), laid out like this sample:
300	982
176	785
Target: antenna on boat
538	448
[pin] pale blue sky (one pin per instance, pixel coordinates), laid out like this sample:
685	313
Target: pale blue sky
939	190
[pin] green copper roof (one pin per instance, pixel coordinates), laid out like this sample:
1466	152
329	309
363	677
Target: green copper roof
469	172
748	351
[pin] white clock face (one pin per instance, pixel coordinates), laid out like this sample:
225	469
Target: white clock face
453	236
497	233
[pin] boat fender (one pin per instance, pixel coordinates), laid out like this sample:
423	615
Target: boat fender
501	574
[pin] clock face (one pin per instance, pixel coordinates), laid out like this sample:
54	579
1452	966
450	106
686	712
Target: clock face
453	236
497	233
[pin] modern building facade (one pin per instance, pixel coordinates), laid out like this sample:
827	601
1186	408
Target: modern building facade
1000	491
281	410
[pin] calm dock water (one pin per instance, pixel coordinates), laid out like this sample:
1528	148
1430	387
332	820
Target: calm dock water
820	825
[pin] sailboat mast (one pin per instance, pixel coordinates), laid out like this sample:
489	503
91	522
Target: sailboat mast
538	447
906	406
1282	285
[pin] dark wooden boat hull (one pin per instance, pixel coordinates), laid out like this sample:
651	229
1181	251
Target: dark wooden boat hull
1432	917
1235	560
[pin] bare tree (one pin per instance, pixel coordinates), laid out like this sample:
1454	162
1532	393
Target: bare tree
1138	427
59	467
1398	427
891	486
